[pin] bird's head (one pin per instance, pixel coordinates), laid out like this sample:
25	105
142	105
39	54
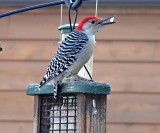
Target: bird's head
92	24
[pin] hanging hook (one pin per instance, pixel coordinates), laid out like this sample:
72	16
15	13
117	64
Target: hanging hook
75	4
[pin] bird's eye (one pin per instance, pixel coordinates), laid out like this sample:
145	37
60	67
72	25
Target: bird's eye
93	22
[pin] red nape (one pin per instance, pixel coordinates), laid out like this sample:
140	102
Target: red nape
83	21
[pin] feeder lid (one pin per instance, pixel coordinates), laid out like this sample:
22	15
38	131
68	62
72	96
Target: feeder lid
71	88
66	28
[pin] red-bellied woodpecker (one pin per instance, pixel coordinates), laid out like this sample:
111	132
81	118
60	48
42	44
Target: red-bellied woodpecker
74	51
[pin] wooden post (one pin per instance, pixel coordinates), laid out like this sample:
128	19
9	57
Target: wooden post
36	115
86	121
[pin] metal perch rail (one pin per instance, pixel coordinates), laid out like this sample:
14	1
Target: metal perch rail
31	8
75	5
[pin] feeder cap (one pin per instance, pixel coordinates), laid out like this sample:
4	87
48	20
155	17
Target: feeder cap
71	88
65	29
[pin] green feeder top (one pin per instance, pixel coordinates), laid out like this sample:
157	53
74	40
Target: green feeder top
65	29
71	88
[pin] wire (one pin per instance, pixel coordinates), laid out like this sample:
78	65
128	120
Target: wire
88	73
0	47
69	14
61	14
76	14
61	20
31	8
75	18
96	8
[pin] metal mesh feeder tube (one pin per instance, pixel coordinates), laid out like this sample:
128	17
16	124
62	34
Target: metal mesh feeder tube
72	111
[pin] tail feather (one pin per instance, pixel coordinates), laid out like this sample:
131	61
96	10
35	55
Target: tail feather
44	81
54	82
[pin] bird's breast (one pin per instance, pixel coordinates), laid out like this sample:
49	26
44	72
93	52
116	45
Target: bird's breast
83	57
86	54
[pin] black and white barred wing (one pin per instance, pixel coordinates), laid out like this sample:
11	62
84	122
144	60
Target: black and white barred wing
67	54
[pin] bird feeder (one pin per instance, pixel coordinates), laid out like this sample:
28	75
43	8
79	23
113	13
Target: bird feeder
73	110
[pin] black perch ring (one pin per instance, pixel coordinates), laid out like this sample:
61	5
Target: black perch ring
75	4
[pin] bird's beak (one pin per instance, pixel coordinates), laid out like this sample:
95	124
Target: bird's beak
110	19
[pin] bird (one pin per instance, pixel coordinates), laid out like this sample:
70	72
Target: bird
74	51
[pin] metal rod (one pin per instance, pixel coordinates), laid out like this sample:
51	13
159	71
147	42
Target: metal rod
88	73
61	14
31	8
75	19
61	20
69	15
96	8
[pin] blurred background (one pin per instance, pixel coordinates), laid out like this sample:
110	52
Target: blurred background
127	56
